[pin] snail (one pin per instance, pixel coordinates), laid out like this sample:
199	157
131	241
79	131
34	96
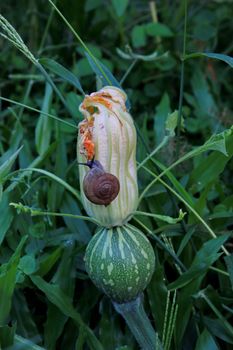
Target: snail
100	187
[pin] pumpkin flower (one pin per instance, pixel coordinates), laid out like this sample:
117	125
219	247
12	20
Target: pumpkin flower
107	144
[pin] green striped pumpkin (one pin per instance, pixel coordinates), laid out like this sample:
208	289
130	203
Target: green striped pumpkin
120	261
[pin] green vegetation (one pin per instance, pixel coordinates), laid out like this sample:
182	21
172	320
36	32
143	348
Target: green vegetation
174	61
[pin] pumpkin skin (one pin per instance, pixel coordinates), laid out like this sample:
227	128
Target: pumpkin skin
120	261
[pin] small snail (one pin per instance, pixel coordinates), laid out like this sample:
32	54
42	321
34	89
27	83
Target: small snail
100	188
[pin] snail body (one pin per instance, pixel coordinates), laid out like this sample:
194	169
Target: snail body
100	187
120	261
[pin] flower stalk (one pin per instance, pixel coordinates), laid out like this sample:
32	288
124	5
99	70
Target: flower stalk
136	318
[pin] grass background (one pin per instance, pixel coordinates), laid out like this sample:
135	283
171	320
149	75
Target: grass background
46	298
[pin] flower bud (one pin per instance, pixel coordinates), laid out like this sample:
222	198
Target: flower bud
107	143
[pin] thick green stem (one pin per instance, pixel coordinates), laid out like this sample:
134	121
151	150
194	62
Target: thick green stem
136	318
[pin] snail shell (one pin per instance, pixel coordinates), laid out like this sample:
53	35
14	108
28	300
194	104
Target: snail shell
100	188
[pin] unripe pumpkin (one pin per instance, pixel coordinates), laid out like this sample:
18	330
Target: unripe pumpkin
120	261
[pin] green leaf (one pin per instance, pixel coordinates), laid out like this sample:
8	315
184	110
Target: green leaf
218	141
8	280
28	264
210	248
47	262
109	331
185	240
162	112
215	143
82	68
158	29
6	166
229	262
55	178
221	142
107	78
102	72
54	326
21	343
7	334
79	227
6	216
62	72
134	56
204	258
120	6
37	230
157	293
56	192
14	141
73	101
185	305
92	4
57	297
171	123
214	164
217	328
193	273
21	313
204	102
201	204
44	126
218	56
65	278
206	342
203	294
138	35
179	188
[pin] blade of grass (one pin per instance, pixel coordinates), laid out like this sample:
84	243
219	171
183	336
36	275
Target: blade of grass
217	56
202	294
211	232
163	143
80	40
62	72
181	82
57	297
8	272
161	244
33	69
21	343
128	71
6	166
34	164
216	142
51	176
38	111
14	38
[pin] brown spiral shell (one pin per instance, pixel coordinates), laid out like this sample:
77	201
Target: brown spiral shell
100	188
